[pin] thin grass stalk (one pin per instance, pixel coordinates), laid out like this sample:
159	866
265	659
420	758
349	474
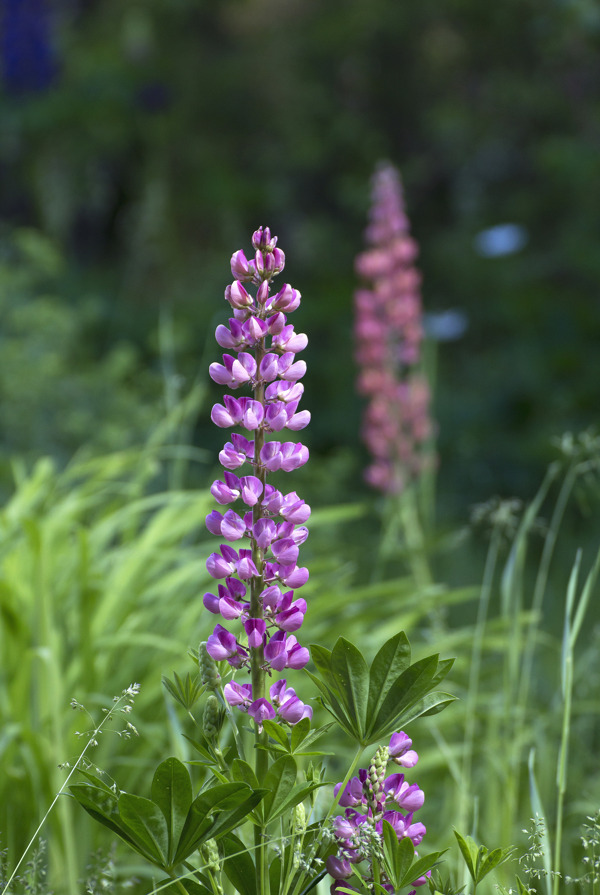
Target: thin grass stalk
489	573
572	626
543	572
54	701
414	538
512	605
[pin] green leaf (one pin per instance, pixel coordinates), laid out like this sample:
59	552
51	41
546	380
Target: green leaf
469	852
429	705
147	826
420	867
397	854
102	806
412	685
172	792
312	737
330	702
444	666
389	663
186	692
489	860
299	733
277	733
322	659
352	678
279	781
244	773
297	795
170	887
200	823
229	820
238	865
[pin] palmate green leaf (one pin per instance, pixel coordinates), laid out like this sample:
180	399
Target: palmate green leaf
103	808
420	867
430	705
238	865
469	852
392	659
398	855
351	676
279	783
410	696
276	732
489	860
304	736
232	801
369	704
191	886
244	773
147	826
330	702
172	792
186	692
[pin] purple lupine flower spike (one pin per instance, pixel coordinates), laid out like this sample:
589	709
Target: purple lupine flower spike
261	350
388	335
369	799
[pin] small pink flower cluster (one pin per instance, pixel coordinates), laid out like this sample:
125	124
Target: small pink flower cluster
388	335
253	577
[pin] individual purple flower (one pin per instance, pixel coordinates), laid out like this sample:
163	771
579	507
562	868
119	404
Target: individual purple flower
388	333
404	827
261	350
261	710
400	751
339	868
221	644
239	695
407	797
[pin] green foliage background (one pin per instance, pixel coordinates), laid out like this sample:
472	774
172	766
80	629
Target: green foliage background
172	129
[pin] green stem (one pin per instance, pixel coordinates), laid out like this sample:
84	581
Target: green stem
257	659
351	770
562	768
542	576
474	673
414	538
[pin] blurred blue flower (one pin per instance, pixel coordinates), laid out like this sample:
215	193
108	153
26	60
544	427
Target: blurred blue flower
446	326
503	239
27	56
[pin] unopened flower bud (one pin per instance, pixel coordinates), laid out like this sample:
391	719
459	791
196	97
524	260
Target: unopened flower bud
212	719
209	676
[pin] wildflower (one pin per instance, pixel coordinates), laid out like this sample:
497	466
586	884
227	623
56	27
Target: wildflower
388	334
367	799
261	350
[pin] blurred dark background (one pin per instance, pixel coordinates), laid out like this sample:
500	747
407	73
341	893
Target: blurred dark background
141	142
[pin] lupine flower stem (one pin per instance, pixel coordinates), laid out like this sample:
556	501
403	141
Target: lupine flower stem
347	778
254	596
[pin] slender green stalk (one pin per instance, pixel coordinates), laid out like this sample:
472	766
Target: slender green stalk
261	765
91	741
543	572
561	776
414	538
466	788
349	774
